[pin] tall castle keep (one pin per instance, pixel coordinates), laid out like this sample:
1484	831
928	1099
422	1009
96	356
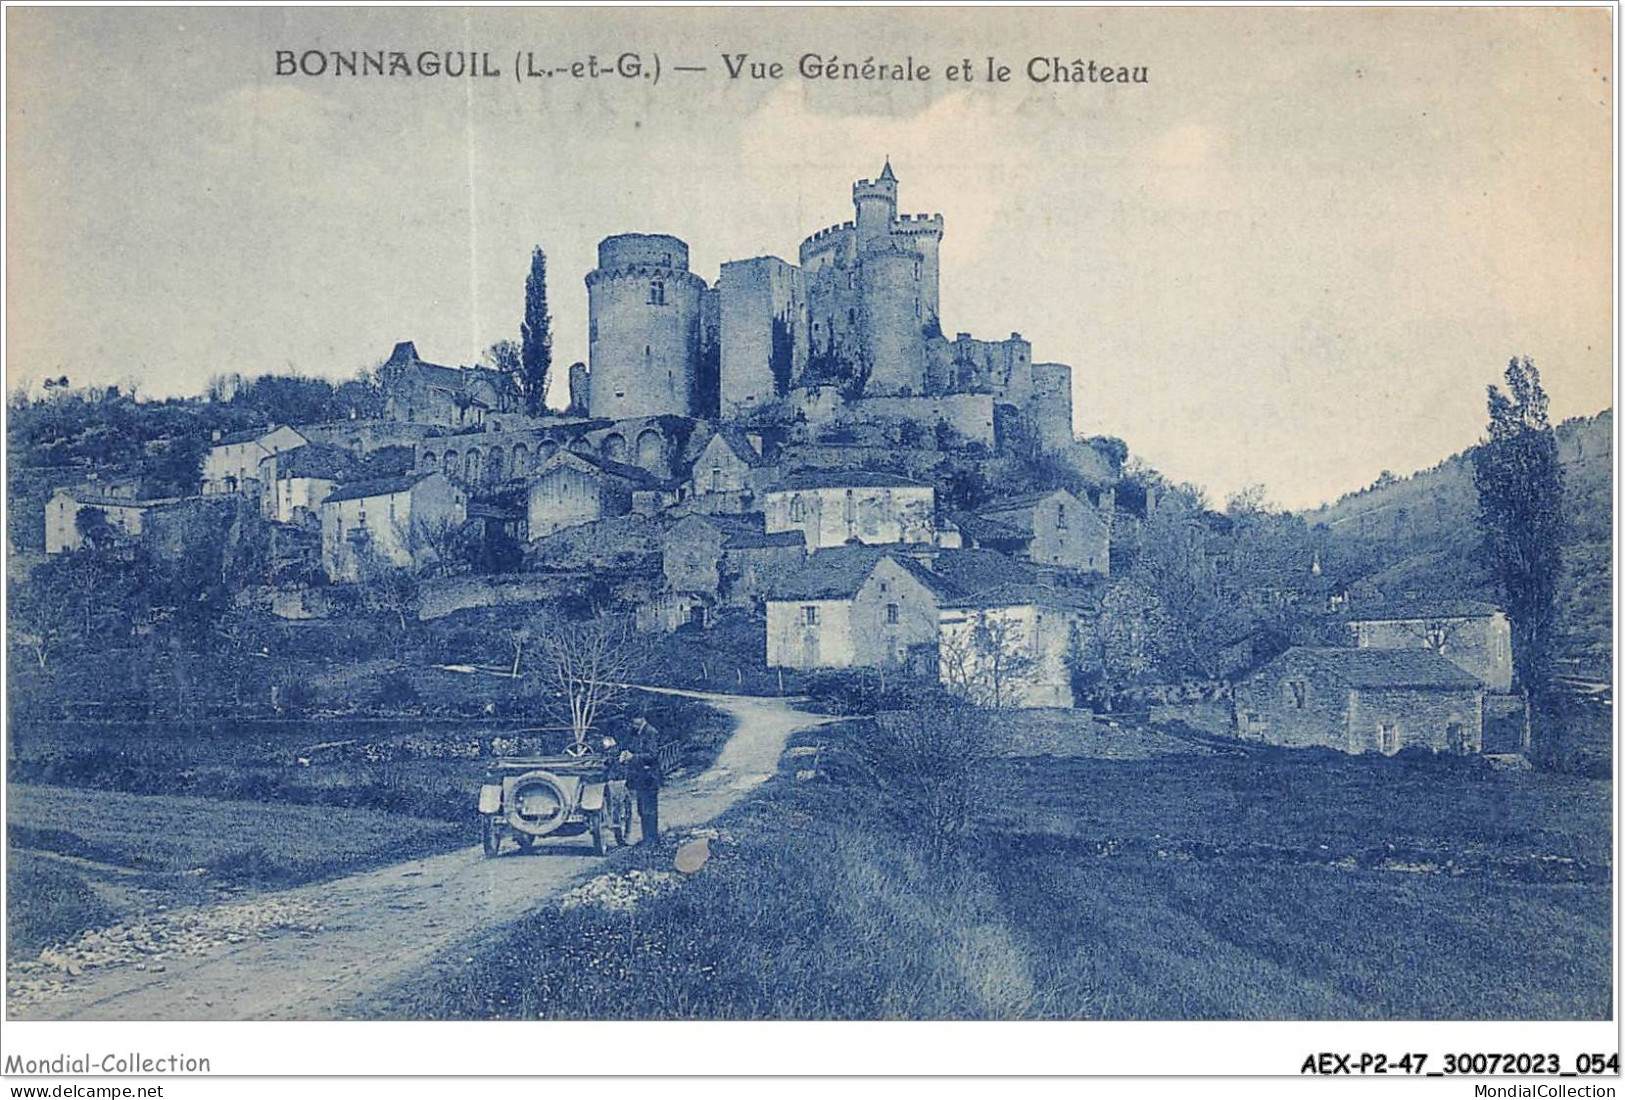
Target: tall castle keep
857	316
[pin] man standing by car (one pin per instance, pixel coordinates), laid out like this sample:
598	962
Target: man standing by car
642	759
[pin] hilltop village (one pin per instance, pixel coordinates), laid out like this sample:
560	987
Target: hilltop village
801	454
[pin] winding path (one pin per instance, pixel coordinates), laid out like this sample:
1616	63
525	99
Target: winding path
371	929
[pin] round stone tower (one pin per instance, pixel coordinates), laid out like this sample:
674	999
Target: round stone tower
643	306
893	317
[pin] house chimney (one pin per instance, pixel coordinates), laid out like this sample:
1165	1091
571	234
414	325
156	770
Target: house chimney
215	437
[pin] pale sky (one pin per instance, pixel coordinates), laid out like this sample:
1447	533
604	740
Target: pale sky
1295	257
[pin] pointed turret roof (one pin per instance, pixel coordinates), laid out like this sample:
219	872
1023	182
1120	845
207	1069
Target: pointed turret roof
886	173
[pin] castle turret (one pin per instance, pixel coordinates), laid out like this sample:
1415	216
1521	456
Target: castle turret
876	202
644	309
892	318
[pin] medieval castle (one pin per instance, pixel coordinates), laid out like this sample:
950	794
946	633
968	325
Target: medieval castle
852	329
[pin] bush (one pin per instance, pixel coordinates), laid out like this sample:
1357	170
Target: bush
868	691
396	689
47	904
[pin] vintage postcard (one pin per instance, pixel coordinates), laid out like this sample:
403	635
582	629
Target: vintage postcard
916	514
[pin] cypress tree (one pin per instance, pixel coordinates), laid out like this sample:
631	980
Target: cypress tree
536	336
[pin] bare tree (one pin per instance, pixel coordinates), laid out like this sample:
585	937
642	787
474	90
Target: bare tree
448	544
386	586
517	637
986	664
589	664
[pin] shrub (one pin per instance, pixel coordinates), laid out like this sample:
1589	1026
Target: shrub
396	689
46	904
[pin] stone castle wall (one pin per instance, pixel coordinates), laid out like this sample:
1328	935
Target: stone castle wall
754	294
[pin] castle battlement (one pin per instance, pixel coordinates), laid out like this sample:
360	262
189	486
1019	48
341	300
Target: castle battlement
642	272
830	231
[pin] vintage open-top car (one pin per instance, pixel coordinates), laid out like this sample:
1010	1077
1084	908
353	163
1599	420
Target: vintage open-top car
536	796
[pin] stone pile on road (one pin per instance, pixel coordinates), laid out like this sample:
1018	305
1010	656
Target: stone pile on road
147	943
618	893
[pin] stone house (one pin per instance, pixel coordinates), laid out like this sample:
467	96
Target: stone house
1008	647
1472	635
394	521
155	521
573	488
1362	700
728	559
726	474
295	483
1059	529
232	464
419	392
834	507
854	607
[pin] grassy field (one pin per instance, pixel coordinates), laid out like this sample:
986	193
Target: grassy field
1162	884
108	818
80	858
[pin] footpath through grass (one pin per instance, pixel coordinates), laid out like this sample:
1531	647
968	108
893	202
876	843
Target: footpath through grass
1204	885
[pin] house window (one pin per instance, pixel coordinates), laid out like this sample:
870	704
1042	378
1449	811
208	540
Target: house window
716	479
1388	737
1060	517
809	616
798	509
1296	693
657	293
891	614
851	507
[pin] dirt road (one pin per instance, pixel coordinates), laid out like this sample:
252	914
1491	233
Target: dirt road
337	940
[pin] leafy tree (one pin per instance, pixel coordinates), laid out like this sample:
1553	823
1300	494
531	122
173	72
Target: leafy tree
507	357
1252	500
94	529
1520	515
1113	451
536	336
781	356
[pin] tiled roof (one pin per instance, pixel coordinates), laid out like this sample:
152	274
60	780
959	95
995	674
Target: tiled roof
248	435
739	445
376	487
636	475
1382	668
984	578
958	578
317	460
1019	500
845	479
978	528
1403	610
837	572
762	540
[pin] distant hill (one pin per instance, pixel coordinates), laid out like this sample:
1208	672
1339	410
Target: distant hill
1418	535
